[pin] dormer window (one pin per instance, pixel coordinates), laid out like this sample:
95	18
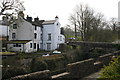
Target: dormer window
14	26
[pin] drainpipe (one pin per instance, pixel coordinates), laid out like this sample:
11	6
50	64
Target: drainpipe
42	36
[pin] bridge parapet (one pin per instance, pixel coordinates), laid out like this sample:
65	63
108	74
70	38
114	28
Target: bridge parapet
83	68
77	70
86	46
94	44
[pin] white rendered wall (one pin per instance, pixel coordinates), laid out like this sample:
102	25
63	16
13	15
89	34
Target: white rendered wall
48	29
54	29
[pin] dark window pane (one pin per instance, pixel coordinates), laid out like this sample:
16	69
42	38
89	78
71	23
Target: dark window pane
19	45
49	37
14	45
35	35
34	45
13	35
30	45
14	26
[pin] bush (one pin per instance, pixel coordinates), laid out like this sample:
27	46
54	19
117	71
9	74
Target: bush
111	71
38	65
51	64
12	72
95	53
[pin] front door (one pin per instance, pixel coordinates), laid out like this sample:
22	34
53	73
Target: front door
49	46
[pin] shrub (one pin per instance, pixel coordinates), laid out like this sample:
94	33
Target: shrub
111	71
13	71
51	64
38	65
95	53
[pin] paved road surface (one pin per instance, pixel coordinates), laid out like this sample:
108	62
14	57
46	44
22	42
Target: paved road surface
91	76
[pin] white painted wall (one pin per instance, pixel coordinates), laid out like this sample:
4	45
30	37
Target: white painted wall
48	29
54	29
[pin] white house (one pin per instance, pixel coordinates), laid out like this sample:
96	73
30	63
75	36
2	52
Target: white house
26	35
51	34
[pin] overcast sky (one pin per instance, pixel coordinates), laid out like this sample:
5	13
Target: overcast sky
48	9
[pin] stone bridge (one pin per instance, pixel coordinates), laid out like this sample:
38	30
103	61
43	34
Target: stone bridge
86	46
76	70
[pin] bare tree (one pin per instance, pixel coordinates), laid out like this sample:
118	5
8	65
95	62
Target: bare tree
87	22
73	21
113	24
9	7
9	10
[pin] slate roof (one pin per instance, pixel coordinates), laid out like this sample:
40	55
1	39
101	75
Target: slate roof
37	23
49	22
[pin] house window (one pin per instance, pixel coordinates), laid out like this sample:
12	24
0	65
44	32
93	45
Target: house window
35	35
13	35
48	46
14	26
35	27
16	45
60	38
34	45
49	37
19	45
30	45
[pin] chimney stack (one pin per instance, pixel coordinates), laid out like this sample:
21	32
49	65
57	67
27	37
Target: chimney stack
36	19
56	18
29	18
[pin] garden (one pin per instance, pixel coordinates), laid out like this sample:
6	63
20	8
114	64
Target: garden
23	63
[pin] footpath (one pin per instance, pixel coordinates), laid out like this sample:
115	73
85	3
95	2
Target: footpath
93	76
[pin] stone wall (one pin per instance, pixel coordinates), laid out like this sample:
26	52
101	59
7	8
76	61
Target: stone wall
34	76
105	59
81	68
74	70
